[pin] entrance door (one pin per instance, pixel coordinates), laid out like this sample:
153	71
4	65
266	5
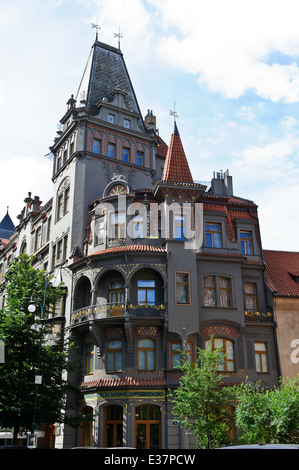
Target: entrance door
148	427
113	426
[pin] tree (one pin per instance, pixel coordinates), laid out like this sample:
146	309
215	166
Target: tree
201	403
26	339
270	416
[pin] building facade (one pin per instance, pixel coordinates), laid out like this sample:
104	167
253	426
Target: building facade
282	276
154	263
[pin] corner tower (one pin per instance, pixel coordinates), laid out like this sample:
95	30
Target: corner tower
102	138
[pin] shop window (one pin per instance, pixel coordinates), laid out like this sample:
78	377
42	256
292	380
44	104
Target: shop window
113	426
147	427
86	427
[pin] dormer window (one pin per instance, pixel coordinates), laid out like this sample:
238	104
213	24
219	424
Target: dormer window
111	118
127	123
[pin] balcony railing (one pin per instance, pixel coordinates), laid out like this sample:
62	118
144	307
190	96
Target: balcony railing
252	316
96	312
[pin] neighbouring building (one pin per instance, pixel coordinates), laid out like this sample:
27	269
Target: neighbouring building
282	275
153	261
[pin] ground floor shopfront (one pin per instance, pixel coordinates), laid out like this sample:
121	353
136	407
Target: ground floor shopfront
129	418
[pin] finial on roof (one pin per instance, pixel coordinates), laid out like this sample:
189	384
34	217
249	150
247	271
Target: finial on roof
118	35
97	27
174	113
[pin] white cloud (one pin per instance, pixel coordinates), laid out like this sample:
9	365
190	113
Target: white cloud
226	44
19	173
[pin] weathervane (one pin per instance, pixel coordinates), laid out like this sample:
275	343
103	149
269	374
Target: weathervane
97	26
118	35
174	113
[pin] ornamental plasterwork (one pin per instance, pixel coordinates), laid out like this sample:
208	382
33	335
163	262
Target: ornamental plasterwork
219	330
147	331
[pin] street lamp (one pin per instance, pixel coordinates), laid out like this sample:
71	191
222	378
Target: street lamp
38	378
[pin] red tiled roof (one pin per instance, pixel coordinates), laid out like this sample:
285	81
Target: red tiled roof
281	269
162	147
125	381
176	166
135	248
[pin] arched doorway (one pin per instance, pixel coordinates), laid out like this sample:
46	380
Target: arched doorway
113	426
148	427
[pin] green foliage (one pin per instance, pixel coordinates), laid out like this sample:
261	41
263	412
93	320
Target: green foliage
22	333
201	403
271	416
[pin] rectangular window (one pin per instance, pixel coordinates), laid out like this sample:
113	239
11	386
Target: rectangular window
213	235
139	158
89	359
100	231
96	146
66	200
117	226
250	296
246	243
138	226
111	150
60	206
209	291
225	292
59	250
179	227
146	354
146	291
175	351
182	288
65	245
38	239
261	357
114	353
227	363
126	155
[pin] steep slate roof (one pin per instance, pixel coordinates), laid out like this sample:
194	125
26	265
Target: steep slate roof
7	228
282	269
105	72
176	168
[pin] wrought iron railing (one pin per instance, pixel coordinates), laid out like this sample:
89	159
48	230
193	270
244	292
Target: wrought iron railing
252	315
95	312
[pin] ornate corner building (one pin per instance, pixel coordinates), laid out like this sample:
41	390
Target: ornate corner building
140	288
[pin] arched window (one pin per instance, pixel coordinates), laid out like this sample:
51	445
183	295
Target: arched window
113	426
146	354
63	195
86	429
147	427
227	364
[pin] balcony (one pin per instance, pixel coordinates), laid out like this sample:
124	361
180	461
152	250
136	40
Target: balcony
112	310
253	316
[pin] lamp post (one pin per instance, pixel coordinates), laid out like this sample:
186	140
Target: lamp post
38	378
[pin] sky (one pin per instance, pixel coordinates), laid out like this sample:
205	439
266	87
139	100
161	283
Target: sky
229	68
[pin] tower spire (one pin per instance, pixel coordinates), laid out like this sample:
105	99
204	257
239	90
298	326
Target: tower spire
176	168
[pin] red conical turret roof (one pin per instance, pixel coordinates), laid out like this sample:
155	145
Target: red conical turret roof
176	168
